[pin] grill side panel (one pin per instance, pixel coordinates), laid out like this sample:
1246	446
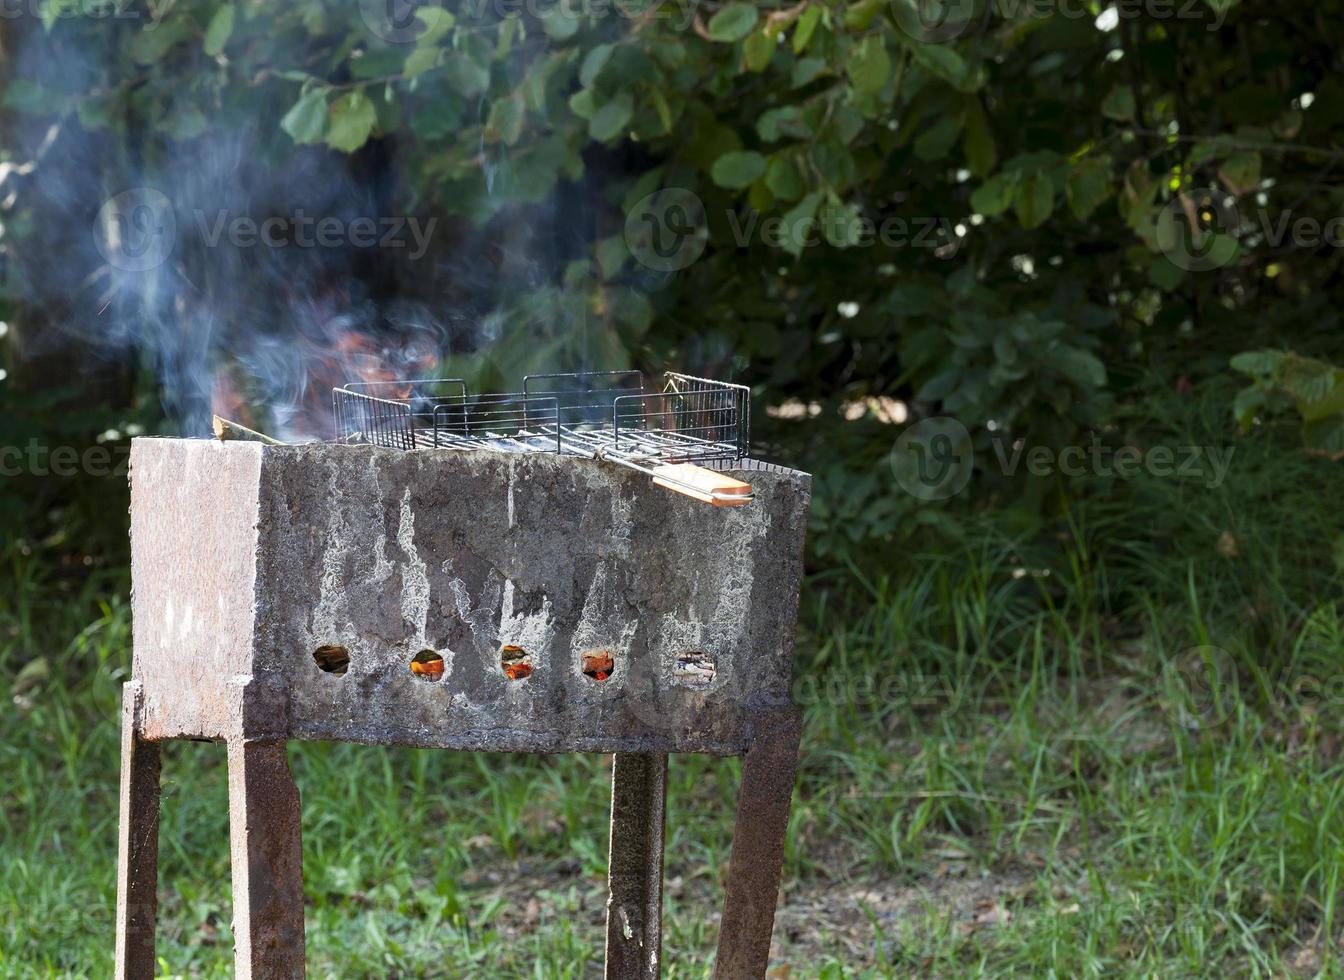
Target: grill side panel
194	506
389	554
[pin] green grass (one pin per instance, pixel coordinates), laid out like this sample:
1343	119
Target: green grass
1003	774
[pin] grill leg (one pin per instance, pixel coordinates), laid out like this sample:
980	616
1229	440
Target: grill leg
137	846
267	858
635	866
758	848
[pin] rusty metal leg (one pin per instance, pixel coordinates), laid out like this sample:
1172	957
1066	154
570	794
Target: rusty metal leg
267	856
137	845
635	866
758	848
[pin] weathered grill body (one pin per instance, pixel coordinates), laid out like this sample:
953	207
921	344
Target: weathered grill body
253	563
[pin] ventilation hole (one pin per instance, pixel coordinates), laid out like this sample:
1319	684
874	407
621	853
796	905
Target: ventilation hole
427	664
598	664
332	659
515	662
694	669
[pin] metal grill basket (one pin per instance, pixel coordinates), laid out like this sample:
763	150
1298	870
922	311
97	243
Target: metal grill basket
609	415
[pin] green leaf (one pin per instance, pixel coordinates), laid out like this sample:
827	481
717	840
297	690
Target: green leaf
759	49
419	61
1088	185
937	141
841	224
995	195
807	26
870	65
352	120
1119	104
1240	173
1164	274
733	22
306	120
1325	437
835	164
219	31
152	42
940	385
942	61
784	179
509	29
560	22
583	104
1081	367
1140	190
846	122
610	120
183	123
28	97
1308	380
661	107
1034	199
632	309
807	70
437	22
593	63
1258	362
611	254
738	169
797	225
978	141
1247	406
859	16
96	113
506	120
467	77
786	121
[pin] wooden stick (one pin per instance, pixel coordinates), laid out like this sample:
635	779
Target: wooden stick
703	484
226	430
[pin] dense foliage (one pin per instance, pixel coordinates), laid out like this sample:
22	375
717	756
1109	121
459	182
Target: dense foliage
1015	213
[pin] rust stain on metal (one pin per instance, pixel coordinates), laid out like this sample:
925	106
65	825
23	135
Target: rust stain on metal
137	845
635	866
757	859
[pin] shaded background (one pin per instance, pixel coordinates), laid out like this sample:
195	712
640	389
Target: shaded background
1058	224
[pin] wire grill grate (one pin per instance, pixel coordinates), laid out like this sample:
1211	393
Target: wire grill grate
604	414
